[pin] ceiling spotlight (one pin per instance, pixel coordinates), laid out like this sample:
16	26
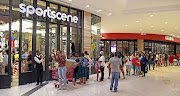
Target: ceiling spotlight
151	15
87	6
140	29
176	27
137	21
126	25
109	14
99	10
162	30
70	0
166	23
152	26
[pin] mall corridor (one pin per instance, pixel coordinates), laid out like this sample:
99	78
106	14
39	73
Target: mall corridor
164	81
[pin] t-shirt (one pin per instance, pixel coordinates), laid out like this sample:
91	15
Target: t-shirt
115	64
129	60
153	57
102	59
178	56
138	62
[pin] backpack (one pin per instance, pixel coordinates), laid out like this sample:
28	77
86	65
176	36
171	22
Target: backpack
85	63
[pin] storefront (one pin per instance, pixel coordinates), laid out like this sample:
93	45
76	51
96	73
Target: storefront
132	42
30	25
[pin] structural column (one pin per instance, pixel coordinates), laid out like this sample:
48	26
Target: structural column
140	45
87	32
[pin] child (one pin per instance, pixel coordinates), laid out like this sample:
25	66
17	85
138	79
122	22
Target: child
138	66
97	66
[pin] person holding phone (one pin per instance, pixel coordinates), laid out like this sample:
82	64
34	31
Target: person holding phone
39	67
61	59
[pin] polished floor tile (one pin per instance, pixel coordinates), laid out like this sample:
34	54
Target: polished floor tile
164	81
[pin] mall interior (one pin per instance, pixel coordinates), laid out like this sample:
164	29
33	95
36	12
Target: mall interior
94	26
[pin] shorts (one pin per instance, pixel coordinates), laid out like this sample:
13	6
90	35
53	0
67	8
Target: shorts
153	63
128	67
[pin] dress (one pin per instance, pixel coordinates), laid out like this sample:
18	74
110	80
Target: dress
171	59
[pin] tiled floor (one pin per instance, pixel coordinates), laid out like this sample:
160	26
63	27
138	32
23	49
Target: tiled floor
164	81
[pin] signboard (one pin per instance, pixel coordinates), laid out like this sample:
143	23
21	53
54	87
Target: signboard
169	38
30	10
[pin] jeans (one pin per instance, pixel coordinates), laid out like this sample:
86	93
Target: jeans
149	64
62	75
138	70
102	72
134	68
144	68
166	63
115	77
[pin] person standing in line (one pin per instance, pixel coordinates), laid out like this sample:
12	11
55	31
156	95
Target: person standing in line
102	64
157	58
97	65
144	62
115	69
150	58
128	64
138	66
1	60
83	62
89	64
153	58
171	57
39	67
166	59
177	56
61	59
109	67
29	60
134	63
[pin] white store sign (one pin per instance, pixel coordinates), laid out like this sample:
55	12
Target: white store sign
30	10
169	38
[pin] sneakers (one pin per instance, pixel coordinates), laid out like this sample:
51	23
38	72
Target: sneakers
110	88
64	87
108	78
115	90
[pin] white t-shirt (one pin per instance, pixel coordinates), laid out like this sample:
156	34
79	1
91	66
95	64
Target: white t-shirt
129	60
102	59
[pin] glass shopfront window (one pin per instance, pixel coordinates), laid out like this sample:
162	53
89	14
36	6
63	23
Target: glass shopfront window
52	44
159	47
26	45
40	39
121	46
73	40
4	39
95	35
29	31
63	39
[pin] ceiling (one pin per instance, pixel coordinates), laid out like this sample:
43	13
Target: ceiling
133	16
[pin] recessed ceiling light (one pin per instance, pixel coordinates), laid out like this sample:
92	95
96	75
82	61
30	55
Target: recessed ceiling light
126	25
99	10
137	21
152	26
165	22
162	30
109	14
176	27
151	15
140	29
87	6
70	0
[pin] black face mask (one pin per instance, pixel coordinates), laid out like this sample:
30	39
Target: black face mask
100	55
